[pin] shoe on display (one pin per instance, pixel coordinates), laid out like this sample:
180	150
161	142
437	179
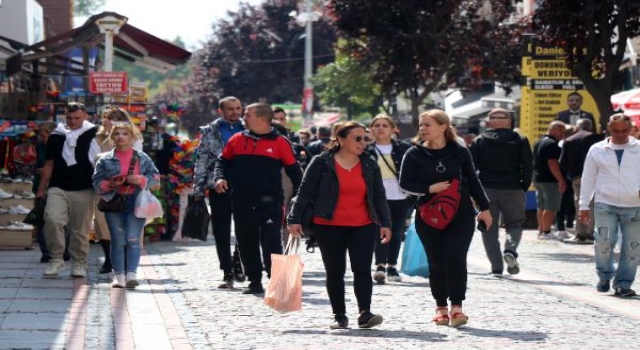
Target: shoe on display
55	266
4	210
18	226
19	210
369	320
78	270
512	263
5	195
23	195
380	275
393	275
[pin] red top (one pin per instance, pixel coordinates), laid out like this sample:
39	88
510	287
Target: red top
351	207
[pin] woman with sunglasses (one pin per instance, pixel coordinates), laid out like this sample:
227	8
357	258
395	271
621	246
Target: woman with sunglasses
110	115
389	153
114	174
428	168
344	186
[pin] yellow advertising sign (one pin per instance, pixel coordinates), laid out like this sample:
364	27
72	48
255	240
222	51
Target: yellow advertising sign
548	83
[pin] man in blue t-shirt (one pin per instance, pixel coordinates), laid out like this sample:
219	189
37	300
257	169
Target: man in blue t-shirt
212	141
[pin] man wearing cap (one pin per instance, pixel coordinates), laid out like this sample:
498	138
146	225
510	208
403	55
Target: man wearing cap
66	179
503	160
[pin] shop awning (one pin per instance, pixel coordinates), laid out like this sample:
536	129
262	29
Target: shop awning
131	44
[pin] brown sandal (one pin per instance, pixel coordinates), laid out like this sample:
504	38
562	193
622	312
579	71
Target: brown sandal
441	319
458	318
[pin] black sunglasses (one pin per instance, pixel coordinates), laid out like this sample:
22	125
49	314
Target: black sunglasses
75	106
361	138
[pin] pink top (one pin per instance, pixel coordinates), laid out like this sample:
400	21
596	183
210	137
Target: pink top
125	159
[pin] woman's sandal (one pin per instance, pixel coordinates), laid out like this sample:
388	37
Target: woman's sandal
458	318
441	319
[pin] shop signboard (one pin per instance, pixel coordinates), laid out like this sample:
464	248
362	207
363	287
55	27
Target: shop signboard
108	82
547	82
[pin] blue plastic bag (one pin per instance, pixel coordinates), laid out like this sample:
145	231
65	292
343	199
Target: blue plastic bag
414	258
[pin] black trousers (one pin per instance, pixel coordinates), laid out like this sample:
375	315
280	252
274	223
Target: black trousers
221	210
334	243
388	253
567	212
447	255
255	228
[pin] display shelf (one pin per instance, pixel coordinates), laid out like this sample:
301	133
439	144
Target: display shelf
10	238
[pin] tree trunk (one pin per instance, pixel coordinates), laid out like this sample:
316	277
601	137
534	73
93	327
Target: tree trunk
415	111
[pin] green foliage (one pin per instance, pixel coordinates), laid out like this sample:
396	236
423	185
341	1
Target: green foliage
594	34
345	84
87	7
415	47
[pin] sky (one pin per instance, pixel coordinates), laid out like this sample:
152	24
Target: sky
167	19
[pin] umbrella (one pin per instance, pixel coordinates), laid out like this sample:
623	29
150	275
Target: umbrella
628	101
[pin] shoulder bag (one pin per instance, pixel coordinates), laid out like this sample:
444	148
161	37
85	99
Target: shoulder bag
119	202
440	210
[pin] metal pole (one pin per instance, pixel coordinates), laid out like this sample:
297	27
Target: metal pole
108	51
308	62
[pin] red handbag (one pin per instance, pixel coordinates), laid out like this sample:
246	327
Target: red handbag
440	210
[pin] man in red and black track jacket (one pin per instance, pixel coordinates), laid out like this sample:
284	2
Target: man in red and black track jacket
250	165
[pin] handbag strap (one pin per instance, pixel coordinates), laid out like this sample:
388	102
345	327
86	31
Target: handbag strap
132	164
393	170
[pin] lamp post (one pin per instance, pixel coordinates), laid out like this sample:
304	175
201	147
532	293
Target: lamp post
307	18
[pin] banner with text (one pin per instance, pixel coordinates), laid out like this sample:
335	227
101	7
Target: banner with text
108	82
546	86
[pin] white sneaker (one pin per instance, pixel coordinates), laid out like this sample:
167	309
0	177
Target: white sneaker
18	226
545	237
5	195
55	266
132	282
562	235
23	195
78	270
119	281
19	210
4	210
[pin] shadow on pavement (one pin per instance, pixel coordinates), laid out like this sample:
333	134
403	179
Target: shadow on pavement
514	335
547	283
374	333
568	257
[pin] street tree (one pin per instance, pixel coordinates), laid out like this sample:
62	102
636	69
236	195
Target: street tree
416	47
345	84
257	53
86	7
593	34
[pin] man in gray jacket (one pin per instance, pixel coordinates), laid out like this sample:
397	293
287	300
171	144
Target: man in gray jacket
212	141
503	160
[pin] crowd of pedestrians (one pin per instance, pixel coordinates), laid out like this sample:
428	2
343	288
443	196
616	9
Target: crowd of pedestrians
353	188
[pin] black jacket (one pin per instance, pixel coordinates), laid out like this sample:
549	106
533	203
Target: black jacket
503	159
320	188
316	147
398	149
574	152
423	167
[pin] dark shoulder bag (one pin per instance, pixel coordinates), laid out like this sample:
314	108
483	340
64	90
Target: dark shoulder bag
119	202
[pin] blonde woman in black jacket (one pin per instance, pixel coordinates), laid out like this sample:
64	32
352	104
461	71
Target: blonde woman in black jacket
344	187
428	168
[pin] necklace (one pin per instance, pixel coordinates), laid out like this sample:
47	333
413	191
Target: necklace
440	167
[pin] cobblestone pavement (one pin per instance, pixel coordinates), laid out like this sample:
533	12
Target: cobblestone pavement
552	303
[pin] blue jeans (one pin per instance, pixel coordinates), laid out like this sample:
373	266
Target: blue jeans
125	230
607	220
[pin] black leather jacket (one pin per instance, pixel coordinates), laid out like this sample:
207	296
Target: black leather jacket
398	149
320	188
